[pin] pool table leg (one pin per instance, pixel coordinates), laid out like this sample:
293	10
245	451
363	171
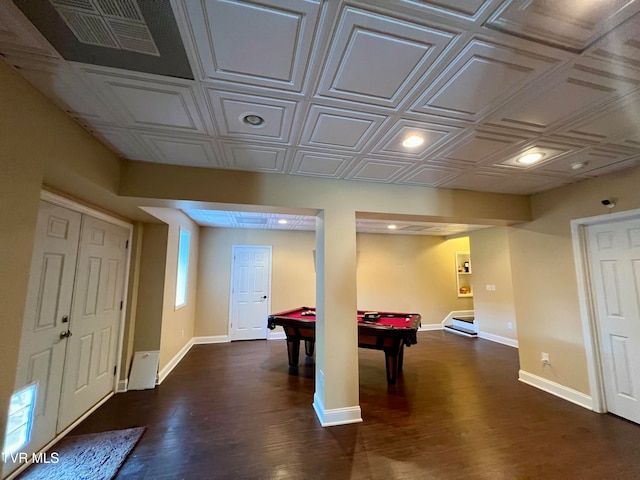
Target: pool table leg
401	357
308	347
293	350
392	356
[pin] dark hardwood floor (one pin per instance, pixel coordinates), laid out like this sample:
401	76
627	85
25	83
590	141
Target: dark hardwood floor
457	412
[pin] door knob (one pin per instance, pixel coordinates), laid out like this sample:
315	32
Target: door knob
65	334
264	296
65	319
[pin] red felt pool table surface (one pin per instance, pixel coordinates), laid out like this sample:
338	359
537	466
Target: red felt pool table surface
388	331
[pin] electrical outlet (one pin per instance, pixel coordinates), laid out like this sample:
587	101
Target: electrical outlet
545	359
510	325
183	333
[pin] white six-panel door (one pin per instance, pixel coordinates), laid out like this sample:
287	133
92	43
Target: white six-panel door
95	317
250	292
47	311
614	253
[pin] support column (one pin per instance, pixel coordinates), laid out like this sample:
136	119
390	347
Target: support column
336	400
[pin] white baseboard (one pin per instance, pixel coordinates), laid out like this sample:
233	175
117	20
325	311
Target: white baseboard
430	326
498	339
336	416
276	336
122	386
167	369
211	339
556	389
449	318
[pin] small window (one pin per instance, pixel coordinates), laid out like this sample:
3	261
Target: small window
183	269
20	419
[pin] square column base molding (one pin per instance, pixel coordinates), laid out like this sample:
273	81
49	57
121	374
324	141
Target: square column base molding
336	416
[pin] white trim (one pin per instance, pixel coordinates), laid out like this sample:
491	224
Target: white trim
498	339
80	208
210	339
585	300
456	313
162	374
122	386
431	326
234	248
336	416
271	335
60	436
556	389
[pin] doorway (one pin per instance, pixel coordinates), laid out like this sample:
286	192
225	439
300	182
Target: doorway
608	263
71	331
250	300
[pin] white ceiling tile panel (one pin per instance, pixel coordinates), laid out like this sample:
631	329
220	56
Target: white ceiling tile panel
320	164
427	176
121	140
593	159
378	170
338	128
264	43
502	69
476	180
59	82
566	23
620	47
259	158
463	9
376	59
229	110
149	101
570	92
475	146
434	136
183	150
613	121
529	184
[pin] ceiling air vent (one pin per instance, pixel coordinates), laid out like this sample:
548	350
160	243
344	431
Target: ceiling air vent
108	23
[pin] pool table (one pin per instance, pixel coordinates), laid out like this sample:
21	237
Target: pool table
387	331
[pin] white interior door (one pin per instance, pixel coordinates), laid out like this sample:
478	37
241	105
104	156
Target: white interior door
614	251
47	310
95	319
250	292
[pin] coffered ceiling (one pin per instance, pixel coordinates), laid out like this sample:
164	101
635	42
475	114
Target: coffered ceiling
339	85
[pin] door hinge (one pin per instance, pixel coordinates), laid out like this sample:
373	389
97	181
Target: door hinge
121	305
114	369
126	245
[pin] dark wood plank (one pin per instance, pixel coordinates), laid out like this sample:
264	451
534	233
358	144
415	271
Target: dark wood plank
457	411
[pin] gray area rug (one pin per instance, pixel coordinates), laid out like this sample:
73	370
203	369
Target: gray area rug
95	456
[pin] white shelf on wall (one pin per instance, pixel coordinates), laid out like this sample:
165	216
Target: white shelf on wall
463	274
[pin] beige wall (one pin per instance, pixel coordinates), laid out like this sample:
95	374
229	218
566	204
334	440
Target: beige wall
491	263
394	272
151	288
293	281
177	325
544	276
410	273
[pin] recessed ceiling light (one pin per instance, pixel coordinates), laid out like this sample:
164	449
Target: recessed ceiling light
392	227
282	221
530	158
578	165
253	120
413	141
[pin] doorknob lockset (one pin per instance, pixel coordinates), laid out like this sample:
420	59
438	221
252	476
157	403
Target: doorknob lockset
65	319
65	334
264	296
